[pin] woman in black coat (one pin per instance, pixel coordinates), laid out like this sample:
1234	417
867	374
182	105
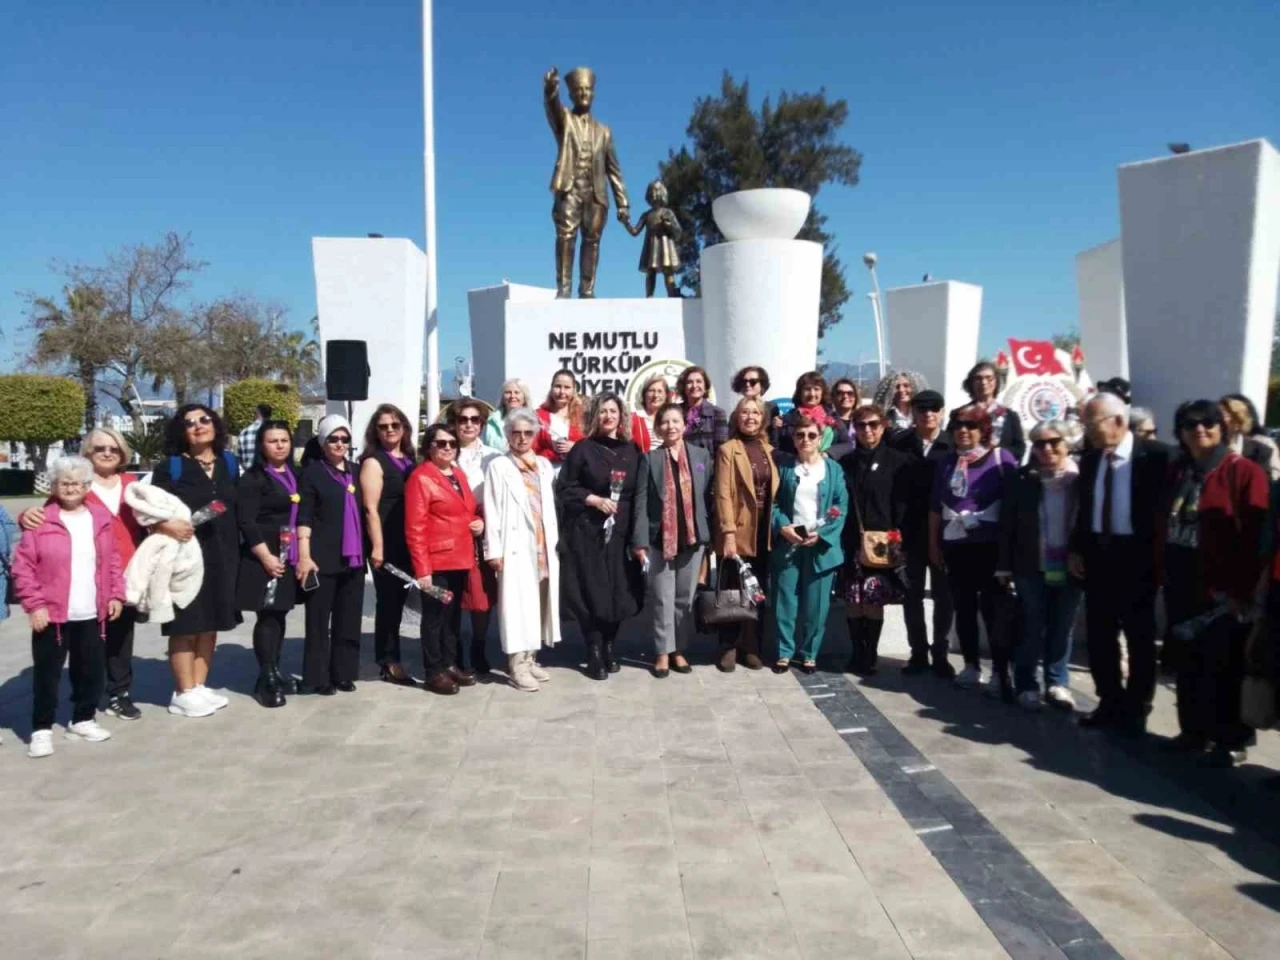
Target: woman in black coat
601	580
331	546
268	513
198	470
876	475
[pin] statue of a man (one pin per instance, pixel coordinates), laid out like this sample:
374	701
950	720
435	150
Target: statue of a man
585	161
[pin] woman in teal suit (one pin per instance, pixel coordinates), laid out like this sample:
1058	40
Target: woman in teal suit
808	516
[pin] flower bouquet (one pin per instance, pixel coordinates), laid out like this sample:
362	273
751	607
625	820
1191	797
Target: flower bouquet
616	479
413	603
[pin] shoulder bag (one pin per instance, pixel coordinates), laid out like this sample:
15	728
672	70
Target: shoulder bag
877	549
724	607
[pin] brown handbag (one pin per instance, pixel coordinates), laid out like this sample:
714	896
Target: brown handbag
877	549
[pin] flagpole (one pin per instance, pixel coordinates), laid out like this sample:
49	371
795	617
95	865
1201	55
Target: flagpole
429	214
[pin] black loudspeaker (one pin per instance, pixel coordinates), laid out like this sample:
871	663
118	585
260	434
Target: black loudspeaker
346	370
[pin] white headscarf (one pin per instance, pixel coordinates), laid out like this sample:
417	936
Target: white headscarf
334	421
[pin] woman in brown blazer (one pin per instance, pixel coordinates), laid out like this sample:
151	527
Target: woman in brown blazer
746	482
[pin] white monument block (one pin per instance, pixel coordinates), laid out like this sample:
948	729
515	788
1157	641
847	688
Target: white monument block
933	330
1100	294
487	308
760	296
1201	251
375	290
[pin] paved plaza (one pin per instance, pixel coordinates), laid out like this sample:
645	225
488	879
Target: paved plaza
701	816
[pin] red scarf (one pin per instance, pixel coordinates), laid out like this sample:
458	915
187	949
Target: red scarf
817	413
670	525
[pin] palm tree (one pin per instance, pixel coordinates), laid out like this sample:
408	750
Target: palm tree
299	358
81	335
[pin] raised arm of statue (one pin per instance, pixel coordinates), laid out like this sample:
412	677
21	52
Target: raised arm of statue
613	171
551	101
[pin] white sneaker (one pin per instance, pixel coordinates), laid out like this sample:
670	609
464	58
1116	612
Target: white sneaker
521	678
970	676
1030	700
41	744
88	730
216	700
191	704
1061	698
535	670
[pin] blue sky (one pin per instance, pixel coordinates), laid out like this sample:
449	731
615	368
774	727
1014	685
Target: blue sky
991	131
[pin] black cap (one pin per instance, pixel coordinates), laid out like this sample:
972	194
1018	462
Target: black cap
928	400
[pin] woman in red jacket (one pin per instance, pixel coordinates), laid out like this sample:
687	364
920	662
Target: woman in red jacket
442	522
561	419
109	453
1217	509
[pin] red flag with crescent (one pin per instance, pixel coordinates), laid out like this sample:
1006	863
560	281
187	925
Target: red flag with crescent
1034	357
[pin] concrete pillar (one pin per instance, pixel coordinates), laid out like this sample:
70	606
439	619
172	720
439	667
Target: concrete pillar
1100	294
933	329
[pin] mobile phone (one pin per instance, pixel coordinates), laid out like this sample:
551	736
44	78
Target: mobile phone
802	532
310	582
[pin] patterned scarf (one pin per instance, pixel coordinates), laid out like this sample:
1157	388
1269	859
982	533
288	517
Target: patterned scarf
670	523
352	545
960	475
533	490
287	480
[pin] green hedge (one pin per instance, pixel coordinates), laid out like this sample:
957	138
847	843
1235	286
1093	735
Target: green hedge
1272	414
38	408
240	401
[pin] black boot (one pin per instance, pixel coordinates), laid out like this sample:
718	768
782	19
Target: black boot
857	637
871	648
286	684
596	669
267	690
610	658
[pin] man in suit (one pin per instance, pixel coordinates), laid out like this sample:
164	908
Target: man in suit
585	161
1113	549
927	445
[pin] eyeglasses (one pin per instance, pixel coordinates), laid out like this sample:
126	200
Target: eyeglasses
337	440
984	378
201	421
845	393
1146	433
470	419
523	433
751	381
70	484
965	425
102	448
1043	442
444	444
389	428
868	425
807	435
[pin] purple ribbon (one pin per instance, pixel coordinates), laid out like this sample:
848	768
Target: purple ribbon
287	480
404	463
352	542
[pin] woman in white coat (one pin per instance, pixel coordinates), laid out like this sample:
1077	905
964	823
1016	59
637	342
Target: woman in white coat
520	538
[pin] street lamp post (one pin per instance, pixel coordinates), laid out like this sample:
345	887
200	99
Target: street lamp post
877	306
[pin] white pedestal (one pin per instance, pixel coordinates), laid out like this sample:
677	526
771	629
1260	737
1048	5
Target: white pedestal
602	342
375	290
933	330
1201	254
760	303
1100	293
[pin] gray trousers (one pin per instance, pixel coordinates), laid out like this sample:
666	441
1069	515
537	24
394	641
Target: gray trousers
672	584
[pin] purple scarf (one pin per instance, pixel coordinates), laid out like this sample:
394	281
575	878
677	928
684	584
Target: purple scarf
352	545
290	483
404	463
692	416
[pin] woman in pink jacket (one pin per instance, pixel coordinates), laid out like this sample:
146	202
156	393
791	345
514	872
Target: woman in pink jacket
68	577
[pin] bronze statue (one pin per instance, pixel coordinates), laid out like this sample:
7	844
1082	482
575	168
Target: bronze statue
661	234
585	160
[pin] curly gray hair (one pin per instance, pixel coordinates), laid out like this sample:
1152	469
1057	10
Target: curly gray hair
518	415
882	396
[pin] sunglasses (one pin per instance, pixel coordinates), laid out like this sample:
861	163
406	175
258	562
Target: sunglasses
1046	442
389	428
927	408
201	421
806	435
523	433
1192	422
100	448
867	425
845	393
470	419
337	440
751	381
965	425
444	444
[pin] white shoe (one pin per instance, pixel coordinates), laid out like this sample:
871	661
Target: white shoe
1030	700
88	730
41	744
216	700
535	670
521	678
970	676
191	704
1061	698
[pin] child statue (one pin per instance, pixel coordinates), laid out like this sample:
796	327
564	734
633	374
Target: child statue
661	233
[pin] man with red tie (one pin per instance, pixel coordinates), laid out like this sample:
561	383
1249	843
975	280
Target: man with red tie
1114	549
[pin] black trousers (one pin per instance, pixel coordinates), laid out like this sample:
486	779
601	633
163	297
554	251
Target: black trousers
331	653
82	640
120	653
1210	674
971	576
1120	594
913	605
268	638
389	597
442	623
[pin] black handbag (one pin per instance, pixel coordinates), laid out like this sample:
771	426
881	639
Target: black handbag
723	607
10	591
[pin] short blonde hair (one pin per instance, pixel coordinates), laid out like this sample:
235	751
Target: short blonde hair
735	418
126	452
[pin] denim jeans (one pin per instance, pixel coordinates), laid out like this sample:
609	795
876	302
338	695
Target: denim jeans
1048	613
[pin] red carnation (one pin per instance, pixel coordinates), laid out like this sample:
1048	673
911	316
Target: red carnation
833	513
893	536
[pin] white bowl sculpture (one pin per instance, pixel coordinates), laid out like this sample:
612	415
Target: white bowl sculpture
771	213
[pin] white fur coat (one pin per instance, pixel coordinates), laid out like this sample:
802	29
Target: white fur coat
163	572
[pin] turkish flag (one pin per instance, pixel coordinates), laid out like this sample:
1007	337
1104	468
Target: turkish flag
1034	357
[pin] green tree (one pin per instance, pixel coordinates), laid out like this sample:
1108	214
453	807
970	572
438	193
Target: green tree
735	147
77	335
299	360
38	410
241	399
1066	341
